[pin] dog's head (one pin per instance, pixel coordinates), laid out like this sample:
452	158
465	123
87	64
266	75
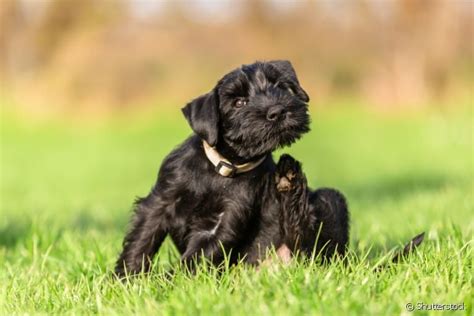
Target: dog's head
253	109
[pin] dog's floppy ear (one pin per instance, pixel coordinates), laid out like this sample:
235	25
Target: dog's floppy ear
203	115
287	70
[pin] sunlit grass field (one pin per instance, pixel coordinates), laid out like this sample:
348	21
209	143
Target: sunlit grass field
67	190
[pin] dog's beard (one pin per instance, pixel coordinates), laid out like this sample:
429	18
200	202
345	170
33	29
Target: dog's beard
256	136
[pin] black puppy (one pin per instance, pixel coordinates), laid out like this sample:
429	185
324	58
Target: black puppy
216	193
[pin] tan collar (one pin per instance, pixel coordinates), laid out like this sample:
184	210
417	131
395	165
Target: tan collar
223	166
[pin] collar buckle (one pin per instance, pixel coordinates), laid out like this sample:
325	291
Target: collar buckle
226	169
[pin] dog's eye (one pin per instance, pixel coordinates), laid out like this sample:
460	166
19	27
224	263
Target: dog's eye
240	102
285	86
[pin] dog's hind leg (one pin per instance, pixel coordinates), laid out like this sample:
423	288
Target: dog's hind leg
332	222
295	216
310	221
148	230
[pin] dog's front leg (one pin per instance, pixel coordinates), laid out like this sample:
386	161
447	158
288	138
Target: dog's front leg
145	237
213	244
203	246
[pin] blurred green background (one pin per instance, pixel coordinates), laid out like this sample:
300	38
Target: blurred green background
87	58
91	93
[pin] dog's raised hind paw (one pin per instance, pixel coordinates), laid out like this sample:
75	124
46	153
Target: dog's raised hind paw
288	173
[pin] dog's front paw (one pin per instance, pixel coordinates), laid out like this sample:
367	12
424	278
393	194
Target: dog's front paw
288	173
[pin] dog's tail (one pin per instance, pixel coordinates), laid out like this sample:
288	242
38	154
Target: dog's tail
415	242
407	250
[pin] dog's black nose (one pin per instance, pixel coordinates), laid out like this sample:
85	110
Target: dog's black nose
275	112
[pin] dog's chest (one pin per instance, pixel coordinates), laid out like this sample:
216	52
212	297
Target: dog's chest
218	194
232	194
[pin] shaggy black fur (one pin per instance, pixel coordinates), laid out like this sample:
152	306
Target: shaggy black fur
252	111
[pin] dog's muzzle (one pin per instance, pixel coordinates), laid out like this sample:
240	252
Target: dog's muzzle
224	167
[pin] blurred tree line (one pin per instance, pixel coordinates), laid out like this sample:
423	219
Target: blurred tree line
82	55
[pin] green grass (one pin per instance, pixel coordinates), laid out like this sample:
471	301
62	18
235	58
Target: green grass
66	193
